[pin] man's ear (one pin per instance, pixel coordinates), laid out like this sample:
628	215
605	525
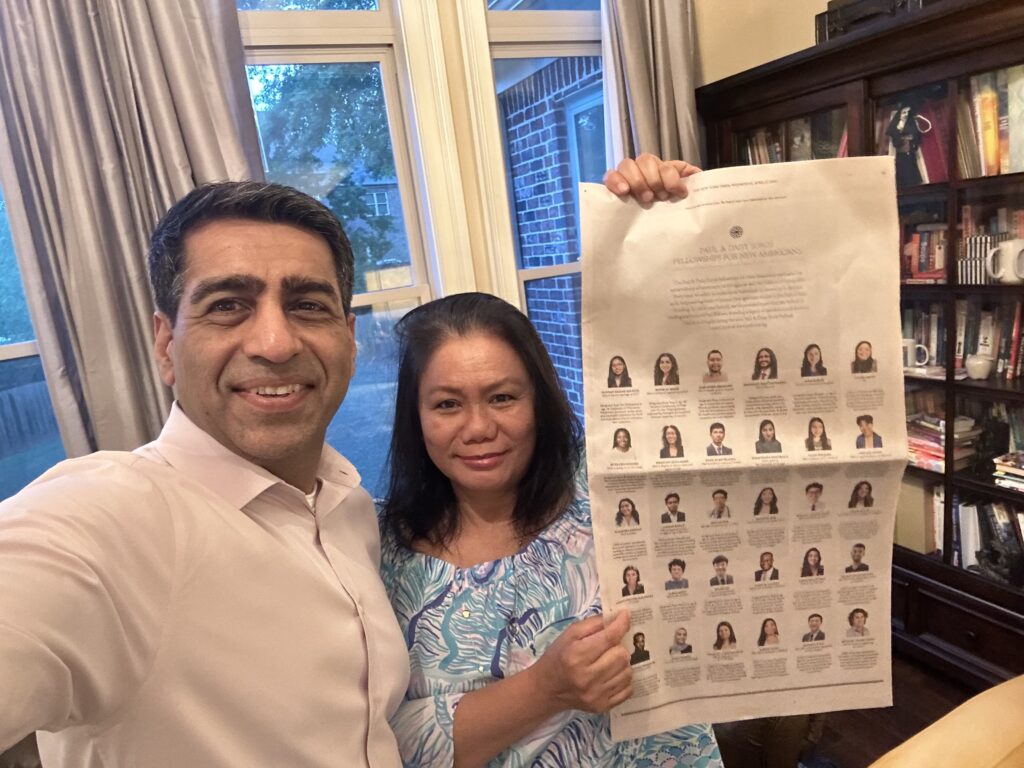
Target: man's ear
351	321
163	338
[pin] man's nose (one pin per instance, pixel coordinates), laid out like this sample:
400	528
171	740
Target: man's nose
271	336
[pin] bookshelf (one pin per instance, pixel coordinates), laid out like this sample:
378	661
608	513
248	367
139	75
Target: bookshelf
925	87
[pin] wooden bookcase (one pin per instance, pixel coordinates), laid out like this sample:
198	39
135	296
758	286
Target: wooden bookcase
842	98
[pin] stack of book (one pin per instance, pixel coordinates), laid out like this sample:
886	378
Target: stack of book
988	539
1009	471
926	441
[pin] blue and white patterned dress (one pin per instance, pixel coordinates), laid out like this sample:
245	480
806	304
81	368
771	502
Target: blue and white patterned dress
468	627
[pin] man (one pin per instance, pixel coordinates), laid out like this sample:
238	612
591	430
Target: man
716	447
857	556
679	644
639	655
867	437
714	373
768	570
766	366
672	513
676	569
719	510
721	565
212	598
857	618
814	625
813	493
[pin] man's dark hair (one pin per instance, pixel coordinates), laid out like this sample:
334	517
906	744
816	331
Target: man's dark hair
677	561
867	418
811	486
716	425
720	559
420	501
816	614
250	200
672	495
725	493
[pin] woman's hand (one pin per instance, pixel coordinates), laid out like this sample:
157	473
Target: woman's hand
586	668
648	178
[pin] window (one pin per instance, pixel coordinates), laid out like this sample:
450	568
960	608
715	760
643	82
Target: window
29	438
378	203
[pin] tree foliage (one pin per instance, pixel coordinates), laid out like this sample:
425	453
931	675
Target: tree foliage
324	130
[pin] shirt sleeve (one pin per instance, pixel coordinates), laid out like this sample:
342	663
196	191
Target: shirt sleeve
78	627
425	730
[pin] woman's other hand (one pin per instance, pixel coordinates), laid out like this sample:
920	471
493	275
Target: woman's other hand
649	178
586	668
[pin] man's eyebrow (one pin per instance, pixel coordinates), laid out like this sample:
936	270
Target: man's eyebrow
302	285
227	283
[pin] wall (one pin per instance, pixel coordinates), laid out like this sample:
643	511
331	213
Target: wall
734	35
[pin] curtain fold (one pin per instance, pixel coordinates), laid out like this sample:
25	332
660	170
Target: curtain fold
112	109
648	48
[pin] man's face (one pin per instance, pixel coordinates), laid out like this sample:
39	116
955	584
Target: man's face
715	363
867	428
672	505
676	571
764	359
767	560
719	500
813	494
717	435
857	554
720	567
261	351
681	636
814	623
639	642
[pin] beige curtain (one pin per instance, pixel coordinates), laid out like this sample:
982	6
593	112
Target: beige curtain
648	49
112	110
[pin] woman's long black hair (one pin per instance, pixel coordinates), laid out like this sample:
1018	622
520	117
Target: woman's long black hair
420	502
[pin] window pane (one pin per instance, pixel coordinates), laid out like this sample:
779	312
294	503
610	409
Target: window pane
29	438
544	5
324	130
552	115
361	430
553	304
14	323
307	5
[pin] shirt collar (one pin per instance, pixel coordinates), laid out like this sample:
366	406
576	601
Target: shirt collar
198	455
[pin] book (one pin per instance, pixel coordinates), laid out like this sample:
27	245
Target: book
987	106
1003	118
1015	112
970	535
968	155
1011	369
933	142
961	327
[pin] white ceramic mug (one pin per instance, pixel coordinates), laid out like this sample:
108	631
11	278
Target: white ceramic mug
914	354
1010	269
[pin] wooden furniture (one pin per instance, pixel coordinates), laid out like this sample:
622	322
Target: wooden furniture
844	97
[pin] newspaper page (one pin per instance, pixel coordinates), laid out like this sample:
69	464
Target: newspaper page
746	437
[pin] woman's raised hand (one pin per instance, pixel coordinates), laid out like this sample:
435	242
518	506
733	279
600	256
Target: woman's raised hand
586	668
649	178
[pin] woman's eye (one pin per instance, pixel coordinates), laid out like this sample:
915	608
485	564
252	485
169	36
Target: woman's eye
502	398
446	405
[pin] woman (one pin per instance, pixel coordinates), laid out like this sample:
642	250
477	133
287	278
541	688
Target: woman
767	502
769	633
627	515
671	443
488	555
622	443
725	638
817	440
666	370
766	366
767	442
812	563
631	580
618	373
863	362
812	364
857	618
861	496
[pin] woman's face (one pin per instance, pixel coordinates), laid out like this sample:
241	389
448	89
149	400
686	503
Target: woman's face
817	428
681	636
621	439
618	365
477	416
632	577
723	631
664	364
768	432
767	496
813	356
770	628
764	359
626	508
671	436
863	489
813	557
863	351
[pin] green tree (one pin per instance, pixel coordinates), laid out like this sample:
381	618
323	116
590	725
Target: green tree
324	129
